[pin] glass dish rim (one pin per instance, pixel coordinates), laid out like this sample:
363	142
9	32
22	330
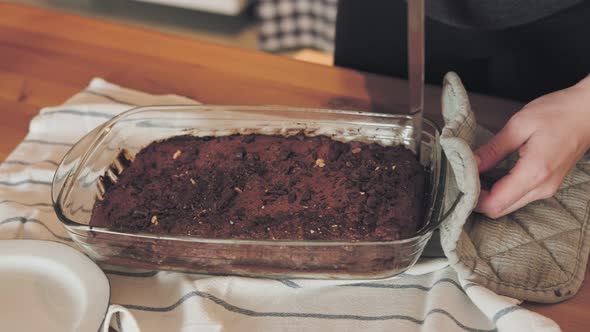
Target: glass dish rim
74	227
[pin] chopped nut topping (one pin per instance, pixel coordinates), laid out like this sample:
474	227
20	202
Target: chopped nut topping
377	168
361	192
176	154
240	153
356	150
320	162
238	190
393	168
154	220
311	231
193	181
334	226
231	222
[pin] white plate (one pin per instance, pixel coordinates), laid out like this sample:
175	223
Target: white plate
48	286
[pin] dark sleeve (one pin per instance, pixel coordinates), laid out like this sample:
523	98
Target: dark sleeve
518	63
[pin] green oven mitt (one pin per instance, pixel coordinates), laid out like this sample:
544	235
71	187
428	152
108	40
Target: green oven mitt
538	253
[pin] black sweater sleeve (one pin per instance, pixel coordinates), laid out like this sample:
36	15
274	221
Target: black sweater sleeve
519	62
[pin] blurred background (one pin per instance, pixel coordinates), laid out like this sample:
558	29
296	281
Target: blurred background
301	29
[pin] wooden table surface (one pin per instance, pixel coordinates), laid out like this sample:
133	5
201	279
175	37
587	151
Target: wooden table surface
47	56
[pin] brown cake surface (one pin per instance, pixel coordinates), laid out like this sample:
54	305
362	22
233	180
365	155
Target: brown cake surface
267	187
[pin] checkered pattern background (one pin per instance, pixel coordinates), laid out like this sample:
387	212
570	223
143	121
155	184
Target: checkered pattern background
291	24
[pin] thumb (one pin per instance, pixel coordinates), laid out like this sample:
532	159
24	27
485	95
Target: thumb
508	140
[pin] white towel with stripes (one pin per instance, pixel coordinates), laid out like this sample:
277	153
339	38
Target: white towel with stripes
429	297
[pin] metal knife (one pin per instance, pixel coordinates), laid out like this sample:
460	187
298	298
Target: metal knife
416	66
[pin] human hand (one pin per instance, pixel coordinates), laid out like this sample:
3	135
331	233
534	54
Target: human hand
550	134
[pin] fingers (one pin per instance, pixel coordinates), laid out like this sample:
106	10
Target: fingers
484	198
509	193
508	140
530	197
550	134
510	190
535	194
528	181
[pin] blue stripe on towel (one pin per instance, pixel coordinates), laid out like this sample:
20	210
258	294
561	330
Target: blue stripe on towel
34	221
278	314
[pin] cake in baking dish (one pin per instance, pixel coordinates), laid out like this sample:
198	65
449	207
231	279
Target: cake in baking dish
264	187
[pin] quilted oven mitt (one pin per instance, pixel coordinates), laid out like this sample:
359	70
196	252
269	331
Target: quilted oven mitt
538	253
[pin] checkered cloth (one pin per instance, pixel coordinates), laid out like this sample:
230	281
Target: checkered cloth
291	24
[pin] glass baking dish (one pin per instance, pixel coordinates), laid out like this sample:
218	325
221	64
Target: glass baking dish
75	190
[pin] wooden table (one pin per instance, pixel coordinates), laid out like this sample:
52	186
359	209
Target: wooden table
47	56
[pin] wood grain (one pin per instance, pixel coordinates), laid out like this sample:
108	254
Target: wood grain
47	56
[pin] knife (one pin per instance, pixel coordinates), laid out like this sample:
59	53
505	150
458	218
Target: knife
416	67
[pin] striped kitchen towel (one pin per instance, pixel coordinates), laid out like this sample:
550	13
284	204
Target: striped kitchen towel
429	297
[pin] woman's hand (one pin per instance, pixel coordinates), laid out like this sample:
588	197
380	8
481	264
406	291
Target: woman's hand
550	134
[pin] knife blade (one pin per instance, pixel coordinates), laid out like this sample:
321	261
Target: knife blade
416	66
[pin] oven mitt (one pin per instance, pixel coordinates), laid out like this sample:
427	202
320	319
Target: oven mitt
538	253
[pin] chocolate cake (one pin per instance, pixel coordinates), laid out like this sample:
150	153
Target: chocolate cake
265	187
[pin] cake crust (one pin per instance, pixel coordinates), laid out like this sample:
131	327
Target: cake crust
266	187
